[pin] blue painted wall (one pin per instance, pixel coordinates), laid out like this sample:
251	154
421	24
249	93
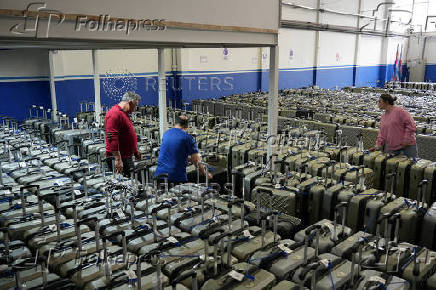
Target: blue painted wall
18	96
186	86
430	73
332	77
292	78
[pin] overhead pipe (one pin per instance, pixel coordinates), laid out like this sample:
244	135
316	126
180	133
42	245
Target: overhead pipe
335	28
342	13
375	10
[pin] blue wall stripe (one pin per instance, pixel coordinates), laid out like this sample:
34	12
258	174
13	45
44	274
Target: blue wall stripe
430	73
181	87
16	97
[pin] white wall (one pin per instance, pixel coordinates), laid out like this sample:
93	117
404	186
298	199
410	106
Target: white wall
430	50
302	44
370	50
336	48
75	63
24	63
215	59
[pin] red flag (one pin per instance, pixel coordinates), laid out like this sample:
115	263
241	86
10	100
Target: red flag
396	63
400	65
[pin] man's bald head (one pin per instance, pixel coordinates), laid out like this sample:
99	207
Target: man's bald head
182	121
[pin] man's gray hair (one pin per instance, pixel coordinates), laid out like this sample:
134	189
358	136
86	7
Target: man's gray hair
130	97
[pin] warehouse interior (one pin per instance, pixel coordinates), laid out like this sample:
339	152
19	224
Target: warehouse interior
195	144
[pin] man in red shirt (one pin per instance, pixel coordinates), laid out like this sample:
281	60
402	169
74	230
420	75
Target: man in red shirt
121	140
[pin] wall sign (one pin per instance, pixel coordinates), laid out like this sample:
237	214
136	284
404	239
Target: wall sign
203	59
226	53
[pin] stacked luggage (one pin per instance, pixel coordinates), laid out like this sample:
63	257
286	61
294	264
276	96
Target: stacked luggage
318	214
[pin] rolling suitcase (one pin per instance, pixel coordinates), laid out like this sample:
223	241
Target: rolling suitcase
416	175
242	276
369	158
380	170
430	175
287	285
279	199
401	165
371	279
330	233
356	208
239	173
427	236
339	276
374	205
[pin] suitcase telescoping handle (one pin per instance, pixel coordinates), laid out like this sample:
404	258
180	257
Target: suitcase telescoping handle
308	232
333	165
23	197
422	190
416	270
394	221
186	275
159	177
380	219
343	205
5	231
389	177
239	202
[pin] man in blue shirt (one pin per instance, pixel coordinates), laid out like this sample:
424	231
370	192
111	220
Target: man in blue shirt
177	148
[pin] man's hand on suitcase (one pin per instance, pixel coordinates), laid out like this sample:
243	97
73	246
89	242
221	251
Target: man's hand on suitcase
118	165
138	155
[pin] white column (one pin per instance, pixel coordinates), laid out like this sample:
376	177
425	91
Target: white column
357	46
316	48
54	105
97	102
385	44
273	102
163	126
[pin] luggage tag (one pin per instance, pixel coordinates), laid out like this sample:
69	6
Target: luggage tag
236	275
329	226
216	218
172	240
77	192
325	262
130	274
59	183
285	249
377	279
52	228
120	213
247	234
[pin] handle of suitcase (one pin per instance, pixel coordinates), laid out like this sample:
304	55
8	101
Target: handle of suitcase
343	206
